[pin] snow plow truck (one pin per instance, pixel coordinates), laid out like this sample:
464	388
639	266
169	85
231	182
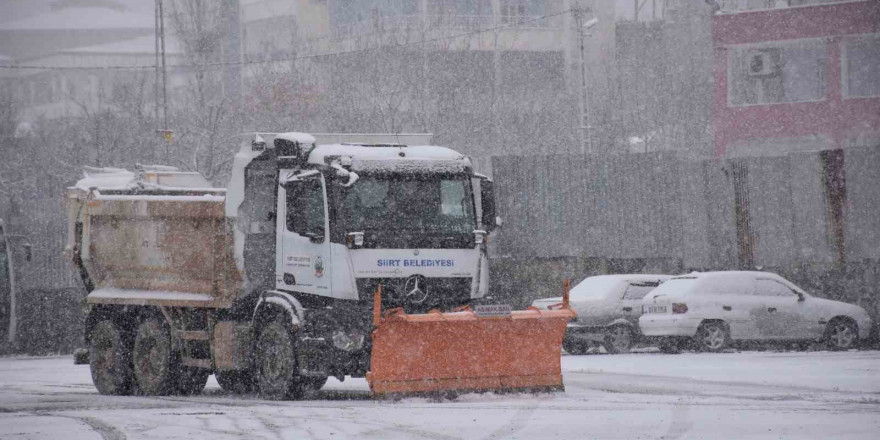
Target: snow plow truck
364	259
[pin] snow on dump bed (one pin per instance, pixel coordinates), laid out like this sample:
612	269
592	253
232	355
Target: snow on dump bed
146	177
106	178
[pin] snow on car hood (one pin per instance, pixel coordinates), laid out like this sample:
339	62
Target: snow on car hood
545	303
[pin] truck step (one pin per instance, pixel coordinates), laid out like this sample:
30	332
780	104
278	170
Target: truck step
198	363
192	335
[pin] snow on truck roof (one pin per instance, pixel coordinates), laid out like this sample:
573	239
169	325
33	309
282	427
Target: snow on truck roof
374	152
391	158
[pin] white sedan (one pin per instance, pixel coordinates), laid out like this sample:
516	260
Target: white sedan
608	308
713	309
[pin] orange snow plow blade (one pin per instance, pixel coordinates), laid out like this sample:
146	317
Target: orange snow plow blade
462	351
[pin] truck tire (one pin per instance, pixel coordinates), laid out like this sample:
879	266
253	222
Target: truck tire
277	372
236	381
109	359
191	380
153	358
313	384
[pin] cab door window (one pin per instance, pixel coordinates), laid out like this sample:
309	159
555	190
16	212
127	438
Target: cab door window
305	208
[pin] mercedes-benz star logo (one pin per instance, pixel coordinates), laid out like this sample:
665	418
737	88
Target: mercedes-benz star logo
415	290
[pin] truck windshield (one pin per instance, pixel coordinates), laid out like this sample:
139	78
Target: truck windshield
420	202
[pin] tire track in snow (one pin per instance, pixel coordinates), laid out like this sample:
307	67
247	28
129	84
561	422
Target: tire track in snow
519	421
681	422
106	431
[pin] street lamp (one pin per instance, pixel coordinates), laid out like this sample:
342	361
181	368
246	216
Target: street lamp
583	27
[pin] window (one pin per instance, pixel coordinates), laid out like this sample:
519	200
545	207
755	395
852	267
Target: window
772	288
862	67
453	198
639	290
305	208
513	11
788	73
439	204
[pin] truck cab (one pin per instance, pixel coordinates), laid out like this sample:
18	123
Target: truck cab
349	217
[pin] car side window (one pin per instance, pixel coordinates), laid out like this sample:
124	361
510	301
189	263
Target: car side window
638	290
772	288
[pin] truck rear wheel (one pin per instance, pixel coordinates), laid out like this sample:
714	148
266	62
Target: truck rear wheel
109	359
277	372
236	381
191	380
152	357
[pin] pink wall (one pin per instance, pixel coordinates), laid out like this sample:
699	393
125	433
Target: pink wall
834	116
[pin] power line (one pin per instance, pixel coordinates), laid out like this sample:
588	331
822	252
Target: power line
285	59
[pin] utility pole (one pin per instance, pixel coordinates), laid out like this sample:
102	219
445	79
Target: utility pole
497	81
160	53
156	88
586	136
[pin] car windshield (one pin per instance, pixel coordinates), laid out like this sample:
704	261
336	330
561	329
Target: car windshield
675	286
416	202
594	287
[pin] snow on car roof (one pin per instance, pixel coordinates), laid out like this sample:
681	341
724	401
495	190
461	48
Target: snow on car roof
635	276
727	274
600	285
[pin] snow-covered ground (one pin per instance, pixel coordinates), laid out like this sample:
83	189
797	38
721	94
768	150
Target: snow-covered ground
748	395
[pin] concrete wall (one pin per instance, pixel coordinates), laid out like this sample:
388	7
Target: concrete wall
574	216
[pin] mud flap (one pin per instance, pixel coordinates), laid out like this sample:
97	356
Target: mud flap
461	351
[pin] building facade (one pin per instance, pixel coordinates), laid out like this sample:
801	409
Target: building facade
796	76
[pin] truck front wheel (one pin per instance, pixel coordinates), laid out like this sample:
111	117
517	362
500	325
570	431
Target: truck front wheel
109	359
277	372
152	357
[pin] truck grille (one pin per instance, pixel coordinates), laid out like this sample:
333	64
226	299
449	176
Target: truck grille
442	293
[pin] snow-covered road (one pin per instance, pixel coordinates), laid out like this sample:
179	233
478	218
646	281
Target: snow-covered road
748	395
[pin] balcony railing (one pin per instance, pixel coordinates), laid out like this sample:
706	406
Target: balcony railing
730	6
413	23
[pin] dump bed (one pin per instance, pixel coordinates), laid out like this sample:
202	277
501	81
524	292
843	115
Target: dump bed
143	241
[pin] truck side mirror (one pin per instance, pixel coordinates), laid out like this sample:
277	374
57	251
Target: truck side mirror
489	218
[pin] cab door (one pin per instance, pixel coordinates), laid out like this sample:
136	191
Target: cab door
778	312
303	264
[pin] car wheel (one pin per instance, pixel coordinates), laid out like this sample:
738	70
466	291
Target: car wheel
842	334
277	372
110	359
618	339
236	381
712	336
152	358
574	347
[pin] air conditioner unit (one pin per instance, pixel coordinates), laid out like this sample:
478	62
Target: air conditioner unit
764	62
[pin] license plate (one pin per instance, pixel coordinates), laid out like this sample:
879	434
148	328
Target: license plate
655	309
492	310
